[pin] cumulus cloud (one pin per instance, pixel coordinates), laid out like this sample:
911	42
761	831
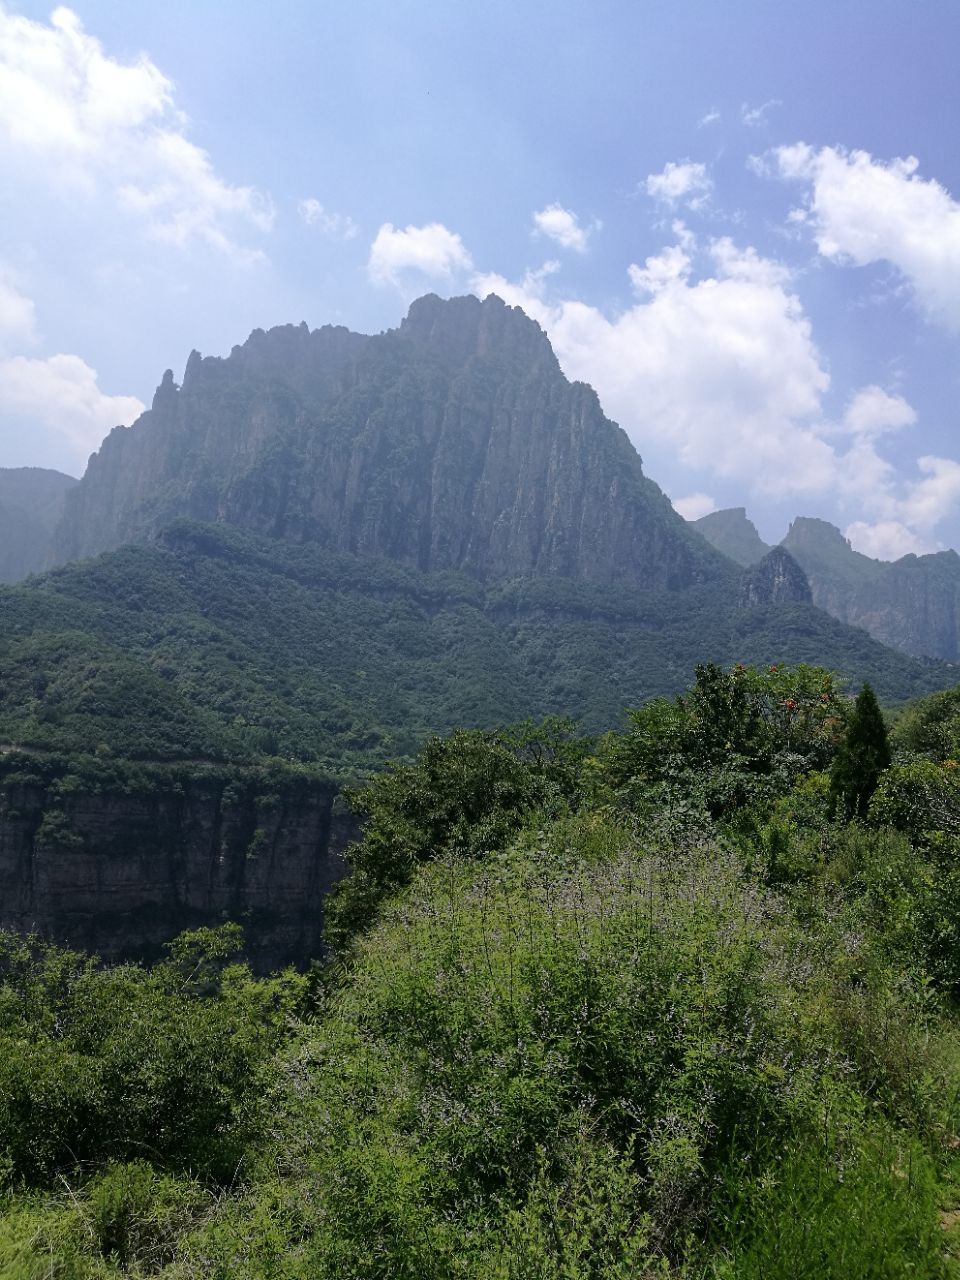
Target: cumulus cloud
885	539
685	182
431	251
873	411
564	227
712	117
61	394
719	367
82	117
909	518
863	210
694	506
338	226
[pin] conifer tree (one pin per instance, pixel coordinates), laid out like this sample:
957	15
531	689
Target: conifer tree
862	756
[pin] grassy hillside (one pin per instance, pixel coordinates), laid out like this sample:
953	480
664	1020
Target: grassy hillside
218	644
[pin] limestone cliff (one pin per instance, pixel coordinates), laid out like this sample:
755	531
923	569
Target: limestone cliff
118	859
912	604
454	441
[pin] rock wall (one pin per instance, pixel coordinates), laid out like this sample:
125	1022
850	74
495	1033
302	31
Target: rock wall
454	441
120	862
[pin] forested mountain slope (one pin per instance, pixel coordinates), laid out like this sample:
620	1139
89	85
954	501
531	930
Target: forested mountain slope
214	643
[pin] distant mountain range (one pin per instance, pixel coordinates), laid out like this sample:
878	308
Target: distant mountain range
912	604
31	503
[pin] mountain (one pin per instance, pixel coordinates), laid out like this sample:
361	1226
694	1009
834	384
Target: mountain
31	502
303	562
733	533
776	579
452	442
214	643
184	713
912	603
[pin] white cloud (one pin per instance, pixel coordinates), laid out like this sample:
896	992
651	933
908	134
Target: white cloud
712	117
685	182
431	251
694	506
722	371
885	540
753	117
873	411
563	226
911	512
863	210
660	270
338	226
82	117
18	321
61	394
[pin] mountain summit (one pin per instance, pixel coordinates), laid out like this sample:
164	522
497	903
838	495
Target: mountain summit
454	441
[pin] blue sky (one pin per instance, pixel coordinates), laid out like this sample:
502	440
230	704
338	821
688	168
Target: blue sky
739	221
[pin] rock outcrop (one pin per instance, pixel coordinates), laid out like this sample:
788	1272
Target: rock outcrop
777	579
454	441
118	864
911	604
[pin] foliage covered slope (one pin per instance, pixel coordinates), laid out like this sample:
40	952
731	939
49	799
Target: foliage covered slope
600	1010
217	644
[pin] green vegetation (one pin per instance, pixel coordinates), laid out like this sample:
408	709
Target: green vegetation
218	645
862	757
649	1004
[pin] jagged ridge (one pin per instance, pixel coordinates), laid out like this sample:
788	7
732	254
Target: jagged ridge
454	441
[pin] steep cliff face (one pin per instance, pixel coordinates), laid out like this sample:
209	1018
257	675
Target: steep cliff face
777	579
120	862
734	534
31	503
912	604
454	441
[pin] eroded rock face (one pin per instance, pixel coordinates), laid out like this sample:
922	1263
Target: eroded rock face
912	604
454	441
777	579
120	869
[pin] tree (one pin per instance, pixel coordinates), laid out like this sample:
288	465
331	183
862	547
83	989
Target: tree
862	756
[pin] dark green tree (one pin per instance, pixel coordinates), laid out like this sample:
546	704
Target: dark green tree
861	757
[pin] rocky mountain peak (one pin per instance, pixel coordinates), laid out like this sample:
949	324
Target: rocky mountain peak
454	441
814	534
777	579
732	532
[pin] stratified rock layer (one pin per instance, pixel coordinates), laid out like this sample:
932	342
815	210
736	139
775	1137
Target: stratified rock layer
120	867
